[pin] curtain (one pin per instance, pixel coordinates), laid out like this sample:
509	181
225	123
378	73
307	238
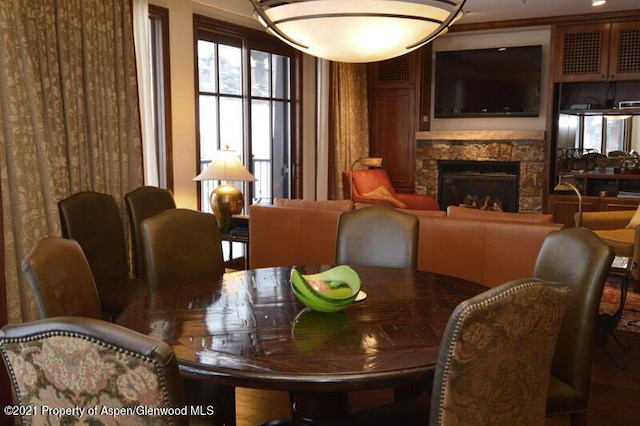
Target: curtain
350	119
69	114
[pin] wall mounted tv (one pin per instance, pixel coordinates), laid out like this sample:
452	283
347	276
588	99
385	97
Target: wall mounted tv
497	82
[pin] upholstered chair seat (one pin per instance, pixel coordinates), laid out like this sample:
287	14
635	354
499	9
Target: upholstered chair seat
143	203
373	186
60	277
494	361
181	246
93	219
67	362
377	236
579	259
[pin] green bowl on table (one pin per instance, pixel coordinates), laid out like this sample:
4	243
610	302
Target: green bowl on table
330	291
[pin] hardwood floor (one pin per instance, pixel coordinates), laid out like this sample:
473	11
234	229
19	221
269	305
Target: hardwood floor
614	399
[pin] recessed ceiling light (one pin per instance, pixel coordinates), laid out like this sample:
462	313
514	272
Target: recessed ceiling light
598	2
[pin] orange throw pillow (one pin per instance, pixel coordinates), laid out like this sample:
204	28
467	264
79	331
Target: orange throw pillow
382	193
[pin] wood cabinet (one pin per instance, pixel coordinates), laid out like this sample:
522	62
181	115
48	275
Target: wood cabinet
597	52
395	108
564	207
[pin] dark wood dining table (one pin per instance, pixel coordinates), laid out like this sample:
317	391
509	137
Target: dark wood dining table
247	329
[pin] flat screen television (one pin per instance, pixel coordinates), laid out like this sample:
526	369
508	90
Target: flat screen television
497	82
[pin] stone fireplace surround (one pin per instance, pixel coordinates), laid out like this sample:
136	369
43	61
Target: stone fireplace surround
523	146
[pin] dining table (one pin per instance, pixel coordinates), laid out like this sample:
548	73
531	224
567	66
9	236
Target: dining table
247	329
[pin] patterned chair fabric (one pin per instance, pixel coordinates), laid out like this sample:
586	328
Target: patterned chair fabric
101	368
495	357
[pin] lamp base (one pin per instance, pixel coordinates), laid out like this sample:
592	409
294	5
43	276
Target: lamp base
226	200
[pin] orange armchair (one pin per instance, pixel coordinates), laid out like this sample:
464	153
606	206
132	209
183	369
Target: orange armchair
373	186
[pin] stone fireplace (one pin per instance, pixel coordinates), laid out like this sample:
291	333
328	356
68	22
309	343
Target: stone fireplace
482	185
524	148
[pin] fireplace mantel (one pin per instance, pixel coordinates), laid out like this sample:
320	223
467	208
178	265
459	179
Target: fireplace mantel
481	136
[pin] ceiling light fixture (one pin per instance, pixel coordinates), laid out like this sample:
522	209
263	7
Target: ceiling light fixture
357	30
598	2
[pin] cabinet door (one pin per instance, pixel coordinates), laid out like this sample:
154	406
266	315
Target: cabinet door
624	55
564	207
615	203
394	105
581	52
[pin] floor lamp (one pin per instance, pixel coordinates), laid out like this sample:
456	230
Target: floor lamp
363	161
564	185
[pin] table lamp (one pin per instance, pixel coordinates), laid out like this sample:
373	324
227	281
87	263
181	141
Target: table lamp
363	161
564	185
226	200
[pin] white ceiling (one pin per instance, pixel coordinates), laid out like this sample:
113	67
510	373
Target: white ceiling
487	10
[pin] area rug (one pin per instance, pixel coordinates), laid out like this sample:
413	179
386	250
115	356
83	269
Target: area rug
630	320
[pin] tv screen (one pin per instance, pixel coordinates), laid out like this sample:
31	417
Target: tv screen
488	82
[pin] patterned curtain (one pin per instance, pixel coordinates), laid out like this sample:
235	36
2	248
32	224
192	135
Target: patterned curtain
69	119
350	119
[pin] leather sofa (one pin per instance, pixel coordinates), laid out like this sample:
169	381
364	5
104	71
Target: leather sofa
480	249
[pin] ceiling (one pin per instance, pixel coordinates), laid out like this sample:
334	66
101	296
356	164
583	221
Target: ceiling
477	11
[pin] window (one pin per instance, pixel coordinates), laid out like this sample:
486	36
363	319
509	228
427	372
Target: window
161	83
245	101
597	133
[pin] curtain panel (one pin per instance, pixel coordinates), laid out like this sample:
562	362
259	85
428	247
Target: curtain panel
350	113
70	120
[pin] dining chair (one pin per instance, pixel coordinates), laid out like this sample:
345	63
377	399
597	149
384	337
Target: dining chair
181	246
578	258
86	363
377	236
494	361
93	220
143	203
60	278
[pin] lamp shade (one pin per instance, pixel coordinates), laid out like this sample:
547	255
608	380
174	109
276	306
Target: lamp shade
226	166
357	30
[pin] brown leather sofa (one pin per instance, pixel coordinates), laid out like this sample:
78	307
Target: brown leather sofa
489	252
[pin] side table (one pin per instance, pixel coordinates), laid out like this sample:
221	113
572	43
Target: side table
238	233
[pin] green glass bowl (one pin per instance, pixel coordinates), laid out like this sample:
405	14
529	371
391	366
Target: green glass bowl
340	288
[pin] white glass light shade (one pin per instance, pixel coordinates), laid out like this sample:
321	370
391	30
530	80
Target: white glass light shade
226	166
357	30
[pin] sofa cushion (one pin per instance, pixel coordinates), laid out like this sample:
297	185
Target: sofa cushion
341	205
475	214
382	193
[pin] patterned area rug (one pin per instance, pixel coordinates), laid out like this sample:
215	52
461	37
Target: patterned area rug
630	320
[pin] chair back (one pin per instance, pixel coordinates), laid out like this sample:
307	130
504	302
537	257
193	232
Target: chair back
142	203
61	280
377	236
93	220
85	362
181	246
580	260
495	357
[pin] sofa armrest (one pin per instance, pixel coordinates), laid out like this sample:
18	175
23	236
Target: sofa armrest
418	201
606	220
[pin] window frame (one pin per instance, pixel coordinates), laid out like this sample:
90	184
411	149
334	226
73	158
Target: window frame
206	28
162	99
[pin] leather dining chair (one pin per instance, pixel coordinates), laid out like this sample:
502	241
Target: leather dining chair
579	259
61	280
494	361
93	220
377	236
96	364
143	203
181	246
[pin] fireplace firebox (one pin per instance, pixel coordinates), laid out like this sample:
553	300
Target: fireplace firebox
485	185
